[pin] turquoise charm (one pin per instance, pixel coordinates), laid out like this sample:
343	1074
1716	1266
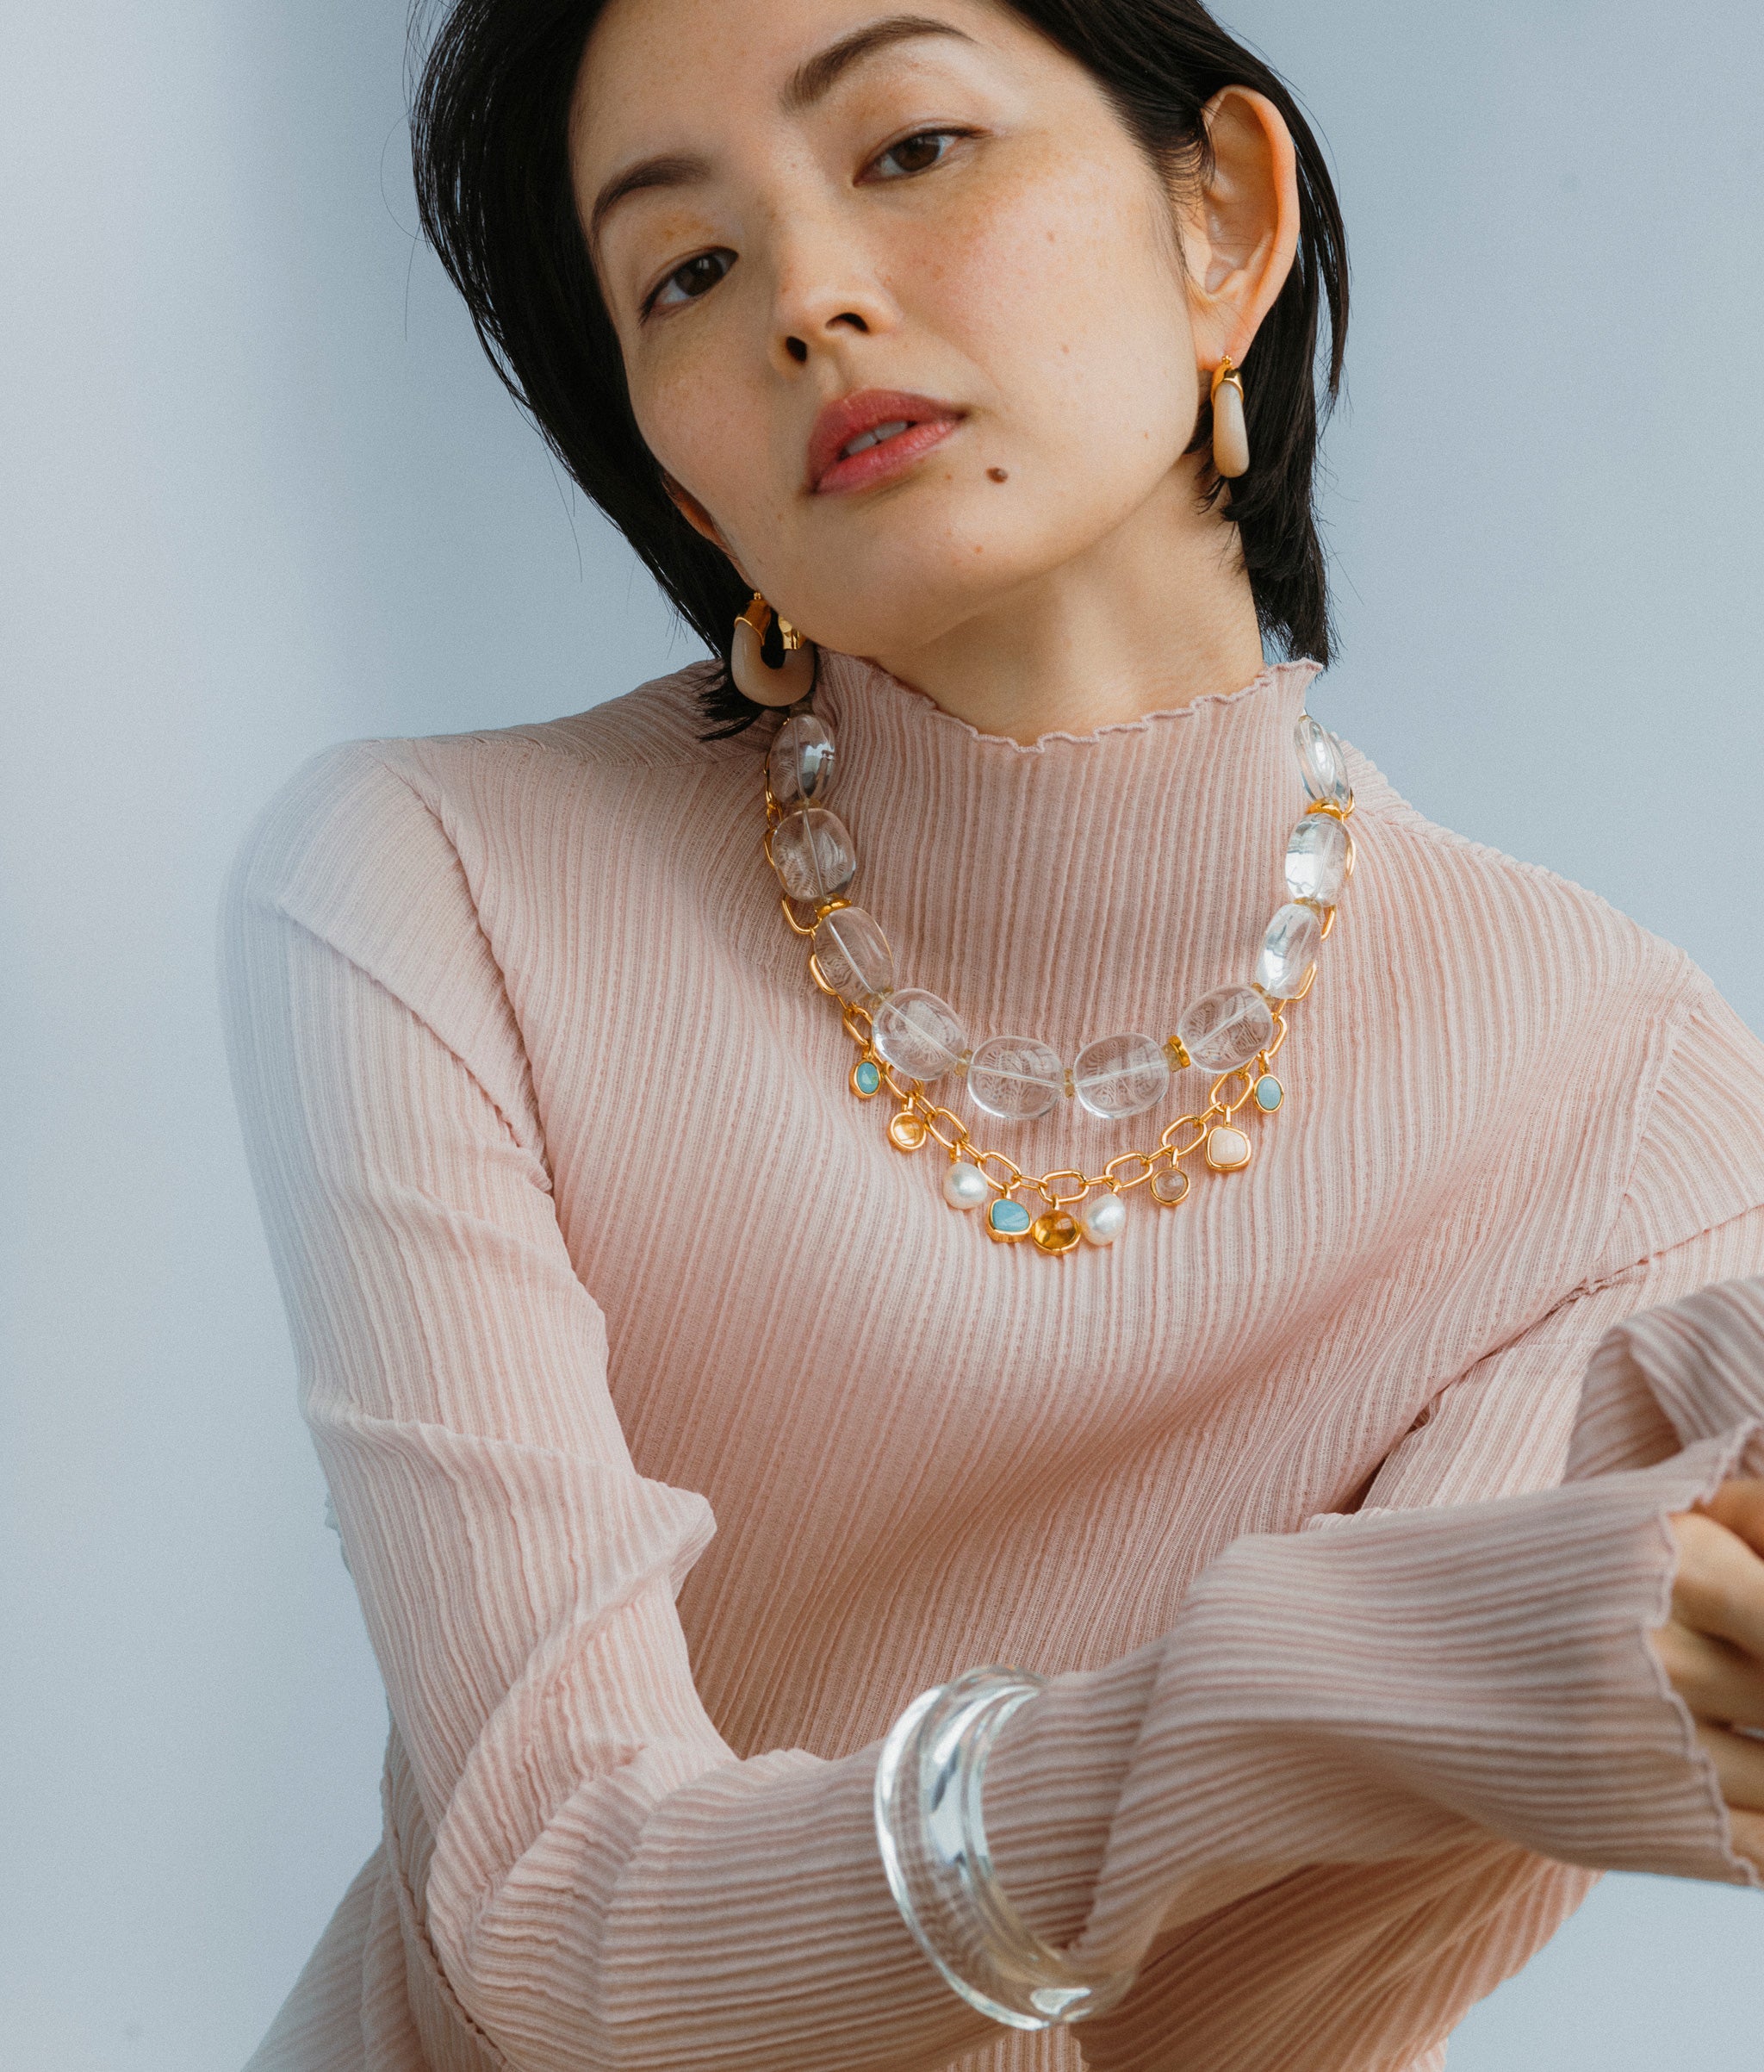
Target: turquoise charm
865	1078
1269	1094
1007	1219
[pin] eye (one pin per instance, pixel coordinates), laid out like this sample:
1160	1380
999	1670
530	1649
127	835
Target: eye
916	154
692	278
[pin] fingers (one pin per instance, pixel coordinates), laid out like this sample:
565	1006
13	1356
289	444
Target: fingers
1719	1586
1747	1831
1739	1765
1712	1647
1739	1505
1720	1682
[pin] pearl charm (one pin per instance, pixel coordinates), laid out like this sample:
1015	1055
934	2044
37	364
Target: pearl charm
965	1186
1103	1217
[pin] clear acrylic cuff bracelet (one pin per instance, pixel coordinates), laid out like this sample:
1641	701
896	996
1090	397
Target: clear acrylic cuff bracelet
933	1844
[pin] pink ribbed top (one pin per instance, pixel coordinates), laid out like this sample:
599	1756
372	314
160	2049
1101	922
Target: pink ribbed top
679	1433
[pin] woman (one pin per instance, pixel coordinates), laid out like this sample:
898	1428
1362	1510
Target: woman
1334	1420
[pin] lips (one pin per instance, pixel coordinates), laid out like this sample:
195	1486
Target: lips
861	438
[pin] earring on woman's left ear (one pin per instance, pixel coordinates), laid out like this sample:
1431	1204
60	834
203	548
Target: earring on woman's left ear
766	682
1230	435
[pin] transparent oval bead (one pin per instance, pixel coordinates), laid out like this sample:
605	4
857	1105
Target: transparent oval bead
1015	1078
1322	762
1224	1030
800	762
854	956
813	855
1316	860
1289	951
918	1034
1120	1075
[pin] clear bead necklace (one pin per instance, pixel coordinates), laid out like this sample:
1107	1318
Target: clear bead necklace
908	1039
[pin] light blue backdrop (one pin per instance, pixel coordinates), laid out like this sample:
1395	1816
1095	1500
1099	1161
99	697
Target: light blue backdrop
262	494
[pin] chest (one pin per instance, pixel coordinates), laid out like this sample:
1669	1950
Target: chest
886	1408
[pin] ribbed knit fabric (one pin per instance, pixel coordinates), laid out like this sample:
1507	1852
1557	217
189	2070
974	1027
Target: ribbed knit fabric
679	1433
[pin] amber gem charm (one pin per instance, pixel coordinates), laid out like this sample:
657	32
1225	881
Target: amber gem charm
1057	1231
906	1131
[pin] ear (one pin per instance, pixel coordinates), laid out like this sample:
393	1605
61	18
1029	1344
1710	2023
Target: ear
1240	233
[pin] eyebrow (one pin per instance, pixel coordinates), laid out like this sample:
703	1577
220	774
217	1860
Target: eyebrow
812	81
671	168
815	78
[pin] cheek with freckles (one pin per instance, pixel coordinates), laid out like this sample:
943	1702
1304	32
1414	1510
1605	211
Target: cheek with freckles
1068	299
710	420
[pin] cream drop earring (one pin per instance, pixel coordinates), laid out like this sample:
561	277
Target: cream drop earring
1231	436
755	677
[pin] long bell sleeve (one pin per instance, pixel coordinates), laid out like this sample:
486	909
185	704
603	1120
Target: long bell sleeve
1361	1742
610	1886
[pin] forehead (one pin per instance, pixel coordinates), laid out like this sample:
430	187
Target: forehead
667	74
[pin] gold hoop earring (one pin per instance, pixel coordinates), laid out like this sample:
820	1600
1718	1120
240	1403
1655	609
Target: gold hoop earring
1231	436
756	678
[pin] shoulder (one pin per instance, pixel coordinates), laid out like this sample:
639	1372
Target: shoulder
376	810
1516	931
1559	1006
427	860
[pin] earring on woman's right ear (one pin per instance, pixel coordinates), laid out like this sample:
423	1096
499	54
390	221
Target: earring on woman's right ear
1231	436
755	676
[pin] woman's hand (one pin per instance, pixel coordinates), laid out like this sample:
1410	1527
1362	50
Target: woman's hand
1712	1646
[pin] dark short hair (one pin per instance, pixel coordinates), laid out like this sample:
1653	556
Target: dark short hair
489	132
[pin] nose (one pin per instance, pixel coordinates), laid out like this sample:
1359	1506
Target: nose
825	293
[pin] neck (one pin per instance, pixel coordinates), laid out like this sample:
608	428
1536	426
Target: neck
1153	615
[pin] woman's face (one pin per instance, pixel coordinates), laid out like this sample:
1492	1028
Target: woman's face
816	223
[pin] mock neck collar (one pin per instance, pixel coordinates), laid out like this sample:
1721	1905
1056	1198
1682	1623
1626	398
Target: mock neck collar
861	699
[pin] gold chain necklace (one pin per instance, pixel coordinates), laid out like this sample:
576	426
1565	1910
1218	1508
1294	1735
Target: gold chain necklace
817	861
